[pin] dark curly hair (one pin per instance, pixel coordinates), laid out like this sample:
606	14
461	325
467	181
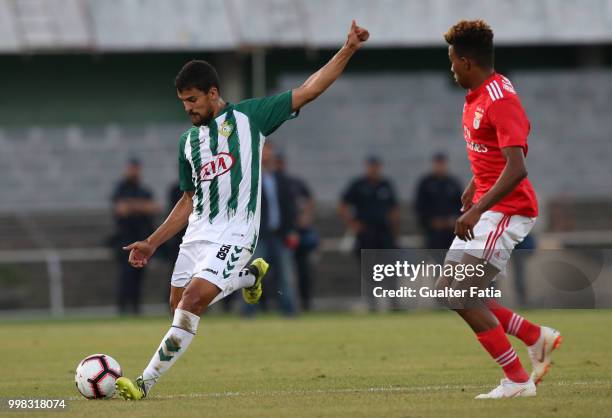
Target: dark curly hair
472	39
197	74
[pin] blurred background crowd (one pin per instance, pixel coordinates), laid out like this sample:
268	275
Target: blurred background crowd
89	126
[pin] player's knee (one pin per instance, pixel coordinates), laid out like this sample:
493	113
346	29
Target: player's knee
191	302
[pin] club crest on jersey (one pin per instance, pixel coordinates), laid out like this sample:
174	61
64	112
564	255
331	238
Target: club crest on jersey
218	165
477	117
226	129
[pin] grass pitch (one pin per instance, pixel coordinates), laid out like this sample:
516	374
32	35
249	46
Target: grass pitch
386	365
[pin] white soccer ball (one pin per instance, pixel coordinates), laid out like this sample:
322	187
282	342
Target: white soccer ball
95	376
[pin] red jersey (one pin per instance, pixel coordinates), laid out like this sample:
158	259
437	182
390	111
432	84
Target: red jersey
493	118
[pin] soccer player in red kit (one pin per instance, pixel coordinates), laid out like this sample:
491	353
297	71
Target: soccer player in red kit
499	207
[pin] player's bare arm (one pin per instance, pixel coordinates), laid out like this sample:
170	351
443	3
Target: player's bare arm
514	172
141	251
320	81
467	197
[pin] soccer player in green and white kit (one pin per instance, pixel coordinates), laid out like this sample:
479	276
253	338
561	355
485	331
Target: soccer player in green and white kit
220	175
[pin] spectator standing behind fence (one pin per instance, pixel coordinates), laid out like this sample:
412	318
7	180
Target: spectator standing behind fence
134	209
308	236
370	210
277	234
438	204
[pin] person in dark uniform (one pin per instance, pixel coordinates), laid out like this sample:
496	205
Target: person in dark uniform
278	236
519	261
308	236
369	208
134	209
438	204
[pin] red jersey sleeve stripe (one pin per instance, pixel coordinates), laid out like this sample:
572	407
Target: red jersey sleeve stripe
493	97
499	90
494	90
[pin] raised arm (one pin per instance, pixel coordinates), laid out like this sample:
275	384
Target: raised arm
322	79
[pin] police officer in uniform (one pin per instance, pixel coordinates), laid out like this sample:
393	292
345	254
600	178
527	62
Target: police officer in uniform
369	208
134	209
438	204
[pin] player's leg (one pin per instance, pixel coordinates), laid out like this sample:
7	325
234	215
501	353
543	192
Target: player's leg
196	297
262	251
176	293
479	317
514	324
184	268
541	340
478	253
213	279
221	272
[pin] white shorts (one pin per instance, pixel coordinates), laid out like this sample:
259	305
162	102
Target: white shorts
495	236
217	263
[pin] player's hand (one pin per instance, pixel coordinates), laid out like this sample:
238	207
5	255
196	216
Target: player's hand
464	227
140	252
356	36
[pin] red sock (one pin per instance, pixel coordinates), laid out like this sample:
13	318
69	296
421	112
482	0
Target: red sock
514	324
497	344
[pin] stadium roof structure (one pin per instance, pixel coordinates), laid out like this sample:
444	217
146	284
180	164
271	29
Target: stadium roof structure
30	26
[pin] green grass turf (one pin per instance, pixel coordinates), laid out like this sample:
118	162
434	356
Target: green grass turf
388	365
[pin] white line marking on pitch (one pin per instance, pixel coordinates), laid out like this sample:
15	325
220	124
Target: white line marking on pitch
406	389
362	390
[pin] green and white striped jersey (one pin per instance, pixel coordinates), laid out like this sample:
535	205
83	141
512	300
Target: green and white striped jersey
221	163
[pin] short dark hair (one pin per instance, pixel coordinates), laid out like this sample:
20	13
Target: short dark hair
197	74
472	39
439	157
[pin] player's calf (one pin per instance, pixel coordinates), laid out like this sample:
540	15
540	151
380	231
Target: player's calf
194	300
176	293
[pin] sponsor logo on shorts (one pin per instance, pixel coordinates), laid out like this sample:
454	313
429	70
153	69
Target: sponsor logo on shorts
215	272
223	251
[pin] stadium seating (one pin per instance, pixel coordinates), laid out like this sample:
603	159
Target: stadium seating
403	118
56	182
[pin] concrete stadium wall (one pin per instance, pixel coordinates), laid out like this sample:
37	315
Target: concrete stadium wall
403	117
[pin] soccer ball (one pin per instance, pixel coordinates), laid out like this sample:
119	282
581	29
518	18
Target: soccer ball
95	376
